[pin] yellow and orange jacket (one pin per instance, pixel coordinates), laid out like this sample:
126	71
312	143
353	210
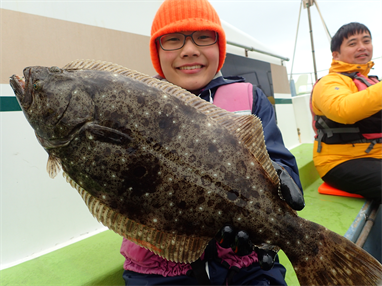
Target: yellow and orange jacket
337	97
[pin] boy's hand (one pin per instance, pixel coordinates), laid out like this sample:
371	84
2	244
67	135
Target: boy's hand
241	245
290	192
239	241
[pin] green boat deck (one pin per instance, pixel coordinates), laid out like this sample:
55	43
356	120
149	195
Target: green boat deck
97	261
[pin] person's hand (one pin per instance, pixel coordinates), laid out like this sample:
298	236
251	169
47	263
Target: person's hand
290	192
241	245
266	256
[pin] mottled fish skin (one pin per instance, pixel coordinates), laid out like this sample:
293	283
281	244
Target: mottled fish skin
167	169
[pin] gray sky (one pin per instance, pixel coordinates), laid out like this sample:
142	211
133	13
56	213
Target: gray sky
271	22
274	23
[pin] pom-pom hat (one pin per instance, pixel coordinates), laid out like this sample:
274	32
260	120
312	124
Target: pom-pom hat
185	15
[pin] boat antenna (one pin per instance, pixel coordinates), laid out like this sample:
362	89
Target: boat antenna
307	4
295	41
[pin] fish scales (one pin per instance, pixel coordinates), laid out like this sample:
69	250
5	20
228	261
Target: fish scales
167	170
167	151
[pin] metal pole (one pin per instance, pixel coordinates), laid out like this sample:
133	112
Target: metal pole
311	41
295	41
367	227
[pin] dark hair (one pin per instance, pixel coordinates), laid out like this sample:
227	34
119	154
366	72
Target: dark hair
345	32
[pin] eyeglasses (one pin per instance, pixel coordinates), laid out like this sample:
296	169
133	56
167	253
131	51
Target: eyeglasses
176	41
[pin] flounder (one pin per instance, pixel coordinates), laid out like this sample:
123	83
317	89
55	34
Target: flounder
166	169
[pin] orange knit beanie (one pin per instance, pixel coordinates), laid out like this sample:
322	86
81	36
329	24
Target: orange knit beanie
185	15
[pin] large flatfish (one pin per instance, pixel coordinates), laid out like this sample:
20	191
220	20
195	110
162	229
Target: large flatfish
167	170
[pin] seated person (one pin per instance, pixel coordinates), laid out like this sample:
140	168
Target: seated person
347	107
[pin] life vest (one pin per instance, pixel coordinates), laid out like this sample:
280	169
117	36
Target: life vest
363	131
226	97
235	97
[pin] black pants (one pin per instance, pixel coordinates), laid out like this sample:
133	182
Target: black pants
358	176
251	275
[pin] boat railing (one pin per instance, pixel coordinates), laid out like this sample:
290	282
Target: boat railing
302	83
365	231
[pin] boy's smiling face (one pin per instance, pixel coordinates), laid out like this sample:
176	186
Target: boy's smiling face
192	67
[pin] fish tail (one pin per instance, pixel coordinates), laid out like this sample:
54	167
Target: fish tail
323	257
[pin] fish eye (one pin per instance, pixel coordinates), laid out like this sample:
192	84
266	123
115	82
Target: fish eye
54	69
36	85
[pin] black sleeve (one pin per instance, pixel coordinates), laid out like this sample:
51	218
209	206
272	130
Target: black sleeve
263	109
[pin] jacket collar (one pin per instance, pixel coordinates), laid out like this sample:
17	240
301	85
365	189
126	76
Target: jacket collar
339	67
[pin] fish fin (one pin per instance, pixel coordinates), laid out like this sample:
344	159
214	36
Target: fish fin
89	64
250	131
165	86
106	134
327	258
53	166
173	247
105	66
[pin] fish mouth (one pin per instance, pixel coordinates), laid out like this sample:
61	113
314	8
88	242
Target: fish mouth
18	85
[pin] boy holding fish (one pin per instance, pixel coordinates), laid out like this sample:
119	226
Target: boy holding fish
188	48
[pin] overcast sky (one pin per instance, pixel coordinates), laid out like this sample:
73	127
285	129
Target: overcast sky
274	23
271	22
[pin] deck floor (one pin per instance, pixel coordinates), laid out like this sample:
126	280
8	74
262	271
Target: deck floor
92	261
